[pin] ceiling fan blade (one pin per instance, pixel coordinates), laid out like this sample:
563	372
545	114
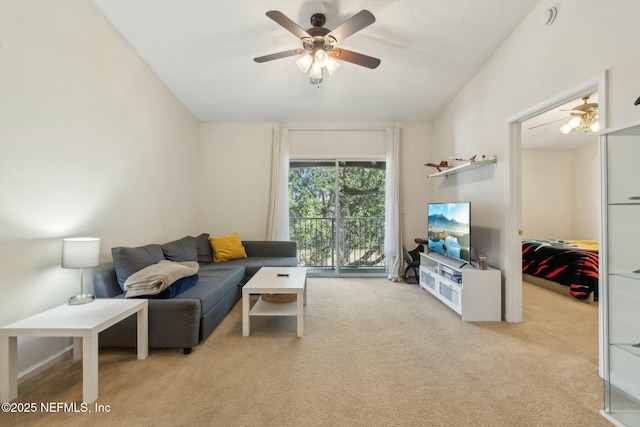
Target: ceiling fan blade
355	58
288	24
548	123
357	22
279	55
585	109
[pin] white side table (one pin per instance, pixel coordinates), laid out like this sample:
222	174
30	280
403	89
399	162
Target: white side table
83	323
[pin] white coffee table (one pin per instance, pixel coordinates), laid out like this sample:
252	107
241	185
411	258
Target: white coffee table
267	281
83	323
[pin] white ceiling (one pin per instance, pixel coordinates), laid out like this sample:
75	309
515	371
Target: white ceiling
203	50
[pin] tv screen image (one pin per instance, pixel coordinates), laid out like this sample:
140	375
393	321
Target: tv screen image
450	229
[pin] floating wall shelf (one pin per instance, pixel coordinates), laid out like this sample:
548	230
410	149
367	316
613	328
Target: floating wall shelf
464	167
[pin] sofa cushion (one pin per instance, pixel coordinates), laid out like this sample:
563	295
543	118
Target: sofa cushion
270	248
203	246
253	264
216	281
127	261
227	247
181	250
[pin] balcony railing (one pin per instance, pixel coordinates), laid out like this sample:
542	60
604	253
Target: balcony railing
361	243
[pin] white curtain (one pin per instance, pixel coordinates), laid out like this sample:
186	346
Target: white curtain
278	223
392	232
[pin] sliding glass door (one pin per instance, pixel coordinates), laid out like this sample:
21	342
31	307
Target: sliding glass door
336	215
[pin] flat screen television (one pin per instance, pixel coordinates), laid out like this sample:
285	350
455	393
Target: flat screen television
449	229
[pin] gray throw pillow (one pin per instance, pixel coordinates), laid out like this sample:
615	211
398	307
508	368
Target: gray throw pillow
181	250
127	261
205	252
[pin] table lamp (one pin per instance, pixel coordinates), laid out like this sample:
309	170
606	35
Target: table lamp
81	252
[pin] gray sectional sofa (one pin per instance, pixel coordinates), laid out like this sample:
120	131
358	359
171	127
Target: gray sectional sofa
188	318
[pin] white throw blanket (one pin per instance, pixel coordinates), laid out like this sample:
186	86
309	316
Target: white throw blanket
155	278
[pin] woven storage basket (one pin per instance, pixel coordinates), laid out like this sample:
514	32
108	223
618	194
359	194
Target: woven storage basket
279	298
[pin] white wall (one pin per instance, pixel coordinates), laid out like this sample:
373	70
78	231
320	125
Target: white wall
415	189
561	193
586	192
236	176
235	182
547	194
91	143
534	65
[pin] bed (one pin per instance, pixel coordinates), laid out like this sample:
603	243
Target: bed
569	267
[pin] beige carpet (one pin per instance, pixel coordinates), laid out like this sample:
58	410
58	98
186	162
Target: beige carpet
375	353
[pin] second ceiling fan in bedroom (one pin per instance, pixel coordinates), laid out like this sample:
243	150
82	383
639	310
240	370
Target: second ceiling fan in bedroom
583	117
319	44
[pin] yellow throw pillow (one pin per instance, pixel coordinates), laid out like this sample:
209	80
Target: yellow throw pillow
227	247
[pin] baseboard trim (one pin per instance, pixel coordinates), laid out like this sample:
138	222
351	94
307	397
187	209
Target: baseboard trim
38	368
612	420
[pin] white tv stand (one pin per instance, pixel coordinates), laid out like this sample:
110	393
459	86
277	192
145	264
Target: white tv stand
478	296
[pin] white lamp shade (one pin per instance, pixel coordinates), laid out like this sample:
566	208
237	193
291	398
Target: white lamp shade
566	129
574	122
316	71
304	63
80	252
332	65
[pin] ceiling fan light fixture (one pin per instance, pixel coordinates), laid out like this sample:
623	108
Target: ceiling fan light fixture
316	71
566	129
571	125
320	57
588	122
304	63
332	65
574	122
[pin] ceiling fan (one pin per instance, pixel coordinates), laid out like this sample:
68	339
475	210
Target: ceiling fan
319	44
583	116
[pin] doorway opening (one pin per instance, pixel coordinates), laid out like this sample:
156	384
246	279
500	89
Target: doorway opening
514	231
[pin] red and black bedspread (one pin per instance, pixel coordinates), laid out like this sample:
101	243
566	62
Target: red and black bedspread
572	263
